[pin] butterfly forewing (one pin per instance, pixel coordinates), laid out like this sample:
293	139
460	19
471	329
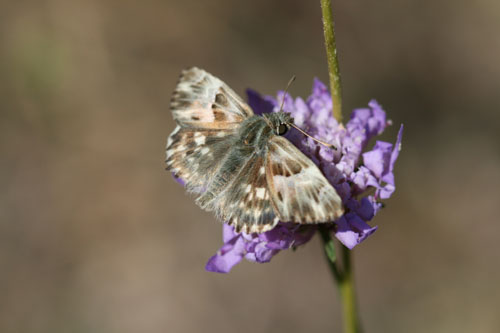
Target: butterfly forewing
299	190
203	101
208	114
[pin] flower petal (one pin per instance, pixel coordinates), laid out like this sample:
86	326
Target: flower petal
258	104
389	177
362	179
372	120
320	103
352	230
378	159
229	255
228	233
179	180
345	235
264	253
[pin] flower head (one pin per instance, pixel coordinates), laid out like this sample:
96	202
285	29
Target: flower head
351	169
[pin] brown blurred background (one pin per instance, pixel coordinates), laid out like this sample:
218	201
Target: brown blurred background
96	237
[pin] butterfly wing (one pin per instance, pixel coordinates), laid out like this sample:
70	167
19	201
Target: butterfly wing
277	184
203	101
194	155
245	202
298	189
208	114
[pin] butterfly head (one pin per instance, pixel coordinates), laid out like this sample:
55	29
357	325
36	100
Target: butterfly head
280	122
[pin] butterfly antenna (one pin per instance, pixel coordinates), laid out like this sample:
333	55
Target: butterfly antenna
286	90
329	145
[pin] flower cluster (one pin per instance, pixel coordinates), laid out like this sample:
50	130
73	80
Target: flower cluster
257	247
360	178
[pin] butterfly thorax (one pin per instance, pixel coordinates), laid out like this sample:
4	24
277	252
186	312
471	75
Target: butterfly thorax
256	131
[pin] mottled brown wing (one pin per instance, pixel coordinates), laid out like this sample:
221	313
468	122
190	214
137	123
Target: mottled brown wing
299	191
203	101
208	114
194	156
245	202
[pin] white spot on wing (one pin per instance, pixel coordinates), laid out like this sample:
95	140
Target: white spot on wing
260	192
205	150
171	137
200	140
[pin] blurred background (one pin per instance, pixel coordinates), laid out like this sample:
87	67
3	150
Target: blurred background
96	237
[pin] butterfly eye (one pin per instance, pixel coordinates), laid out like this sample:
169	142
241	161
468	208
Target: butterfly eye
282	129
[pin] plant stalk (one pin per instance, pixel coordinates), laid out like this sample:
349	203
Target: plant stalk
331	55
348	296
344	278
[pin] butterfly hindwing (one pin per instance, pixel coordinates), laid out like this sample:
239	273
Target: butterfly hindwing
299	190
246	201
238	193
194	156
253	211
203	101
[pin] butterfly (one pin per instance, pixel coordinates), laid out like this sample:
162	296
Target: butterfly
238	164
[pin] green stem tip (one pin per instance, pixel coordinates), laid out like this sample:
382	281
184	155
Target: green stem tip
331	55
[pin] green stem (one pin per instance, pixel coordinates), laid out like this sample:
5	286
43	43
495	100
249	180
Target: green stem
348	296
331	55
344	278
329	247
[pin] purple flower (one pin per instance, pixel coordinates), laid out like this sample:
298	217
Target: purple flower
351	169
256	247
